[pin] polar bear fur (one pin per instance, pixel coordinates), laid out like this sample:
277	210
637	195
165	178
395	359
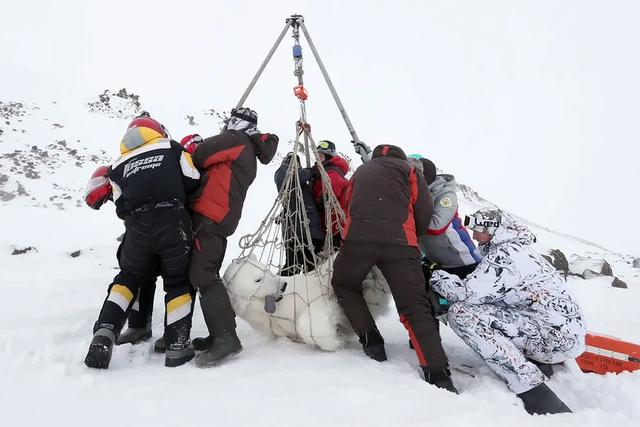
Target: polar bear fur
308	312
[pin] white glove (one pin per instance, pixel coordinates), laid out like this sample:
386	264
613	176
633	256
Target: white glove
363	150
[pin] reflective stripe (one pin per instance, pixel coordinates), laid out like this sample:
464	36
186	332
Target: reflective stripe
116	190
178	308
120	295
608	353
188	169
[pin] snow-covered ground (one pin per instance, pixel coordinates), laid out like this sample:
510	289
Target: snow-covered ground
51	300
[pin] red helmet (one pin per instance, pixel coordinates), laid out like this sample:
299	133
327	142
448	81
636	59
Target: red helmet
98	188
190	142
148	122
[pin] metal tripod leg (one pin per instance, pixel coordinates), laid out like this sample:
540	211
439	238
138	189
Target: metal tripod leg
329	83
264	64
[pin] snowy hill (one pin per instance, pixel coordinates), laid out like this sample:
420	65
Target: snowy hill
49	149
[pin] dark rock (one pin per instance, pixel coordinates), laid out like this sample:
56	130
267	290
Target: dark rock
57	125
75	254
558	259
617	283
636	263
21	251
606	269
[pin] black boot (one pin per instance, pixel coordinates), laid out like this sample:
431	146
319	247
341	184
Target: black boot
373	344
542	400
225	345
134	335
440	378
178	354
202	343
160	346
100	349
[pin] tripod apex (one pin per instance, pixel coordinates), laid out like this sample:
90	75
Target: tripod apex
295	19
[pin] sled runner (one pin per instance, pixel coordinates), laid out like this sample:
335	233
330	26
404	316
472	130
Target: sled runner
605	354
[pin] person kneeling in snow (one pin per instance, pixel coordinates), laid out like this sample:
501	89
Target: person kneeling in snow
514	307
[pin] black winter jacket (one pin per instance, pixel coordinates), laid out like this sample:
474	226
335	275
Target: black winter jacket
387	200
156	171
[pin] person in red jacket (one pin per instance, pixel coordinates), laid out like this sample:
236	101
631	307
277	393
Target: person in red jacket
388	207
228	163
337	169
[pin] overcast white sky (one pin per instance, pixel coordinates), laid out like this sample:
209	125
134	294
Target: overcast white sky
533	103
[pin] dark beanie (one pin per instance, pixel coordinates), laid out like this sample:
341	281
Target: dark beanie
386	150
429	170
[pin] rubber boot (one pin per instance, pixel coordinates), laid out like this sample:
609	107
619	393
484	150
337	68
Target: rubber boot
224	346
100	349
202	343
178	354
160	346
440	378
134	335
373	344
542	400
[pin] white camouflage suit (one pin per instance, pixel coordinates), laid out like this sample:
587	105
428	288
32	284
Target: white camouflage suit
513	307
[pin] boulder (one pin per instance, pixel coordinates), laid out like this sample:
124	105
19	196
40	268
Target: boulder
617	283
636	263
558	259
599	266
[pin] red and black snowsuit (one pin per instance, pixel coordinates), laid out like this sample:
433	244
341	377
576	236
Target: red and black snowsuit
387	201
228	164
337	169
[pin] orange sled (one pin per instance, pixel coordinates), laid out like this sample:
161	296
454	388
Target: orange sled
608	354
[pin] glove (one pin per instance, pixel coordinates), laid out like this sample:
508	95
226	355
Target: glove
363	150
269	137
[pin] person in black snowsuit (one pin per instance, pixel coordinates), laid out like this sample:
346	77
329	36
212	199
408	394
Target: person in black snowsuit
98	192
140	316
151	181
299	257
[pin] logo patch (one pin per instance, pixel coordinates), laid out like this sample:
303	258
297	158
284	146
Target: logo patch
446	202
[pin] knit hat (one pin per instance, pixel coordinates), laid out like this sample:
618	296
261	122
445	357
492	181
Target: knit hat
386	150
429	170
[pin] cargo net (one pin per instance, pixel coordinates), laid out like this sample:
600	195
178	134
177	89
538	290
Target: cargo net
281	282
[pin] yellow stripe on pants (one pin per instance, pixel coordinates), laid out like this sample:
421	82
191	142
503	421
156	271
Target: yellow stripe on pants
120	295
178	308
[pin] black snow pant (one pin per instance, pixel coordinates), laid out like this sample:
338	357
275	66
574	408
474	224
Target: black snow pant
142	310
299	255
204	274
160	238
435	299
400	265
